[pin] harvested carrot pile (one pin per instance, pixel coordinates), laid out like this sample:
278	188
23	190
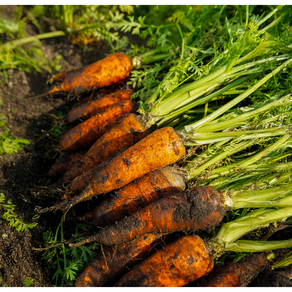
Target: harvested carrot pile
164	165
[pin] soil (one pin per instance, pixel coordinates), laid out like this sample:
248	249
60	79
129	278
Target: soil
23	176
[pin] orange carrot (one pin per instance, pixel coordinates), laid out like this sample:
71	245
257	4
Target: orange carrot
158	149
195	209
111	70
239	274
136	195
126	132
90	109
178	264
63	163
89	131
94	95
114	262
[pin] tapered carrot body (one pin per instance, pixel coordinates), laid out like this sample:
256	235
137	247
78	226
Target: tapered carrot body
63	163
178	264
86	133
116	261
63	75
79	183
111	70
94	95
158	149
90	109
239	274
136	195
126	132
195	209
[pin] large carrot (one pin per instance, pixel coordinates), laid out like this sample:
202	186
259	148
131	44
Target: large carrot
189	258
126	132
111	70
158	149
116	261
194	209
63	163
178	264
136	195
90	109
89	131
239	274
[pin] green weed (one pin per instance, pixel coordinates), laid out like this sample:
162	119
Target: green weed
11	217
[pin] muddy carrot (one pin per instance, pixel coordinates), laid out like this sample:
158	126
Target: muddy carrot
111	70
126	132
158	149
94	95
136	195
63	163
116	261
239	274
189	258
195	209
78	184
179	263
86	133
90	109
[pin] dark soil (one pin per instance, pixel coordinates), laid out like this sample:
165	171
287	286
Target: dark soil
23	176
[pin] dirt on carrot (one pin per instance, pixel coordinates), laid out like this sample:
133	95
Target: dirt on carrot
111	70
126	132
86	133
90	109
179	263
116	261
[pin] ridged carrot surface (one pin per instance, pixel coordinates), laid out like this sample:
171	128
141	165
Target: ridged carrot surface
86	133
239	274
178	264
63	163
111	70
158	149
126	132
116	261
195	209
138	194
90	109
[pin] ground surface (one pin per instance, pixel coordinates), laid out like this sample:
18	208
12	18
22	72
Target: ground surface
23	176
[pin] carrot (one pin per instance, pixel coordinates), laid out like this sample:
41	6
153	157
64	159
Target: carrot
239	274
90	109
114	262
90	130
136	195
63	163
126	132
194	209
111	70
158	149
63	75
179	263
94	95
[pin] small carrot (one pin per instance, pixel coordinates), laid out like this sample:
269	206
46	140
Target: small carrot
126	132
114	262
94	95
136	195
178	264
111	70
195	209
239	274
90	109
63	163
158	149
89	131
